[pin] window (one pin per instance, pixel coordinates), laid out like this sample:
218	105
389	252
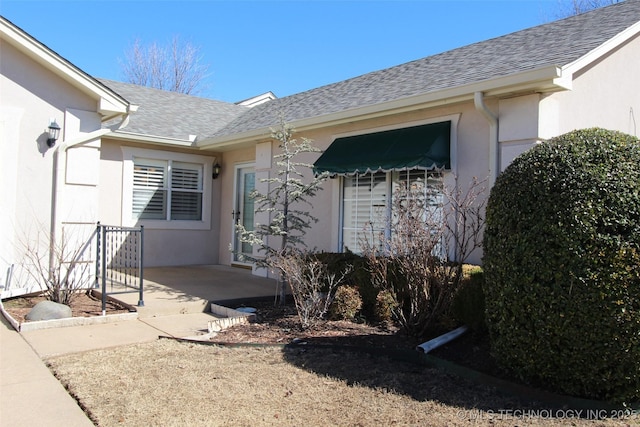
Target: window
367	202
167	190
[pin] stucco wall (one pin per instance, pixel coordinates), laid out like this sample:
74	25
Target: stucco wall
31	96
606	94
471	159
165	245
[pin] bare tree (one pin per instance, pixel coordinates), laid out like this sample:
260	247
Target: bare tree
176	67
568	8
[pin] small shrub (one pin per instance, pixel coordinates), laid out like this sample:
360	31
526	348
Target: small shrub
311	284
358	276
468	304
346	304
385	306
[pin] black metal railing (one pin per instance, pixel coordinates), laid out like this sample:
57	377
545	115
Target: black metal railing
119	266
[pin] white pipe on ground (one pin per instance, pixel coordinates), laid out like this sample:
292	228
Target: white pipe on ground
426	347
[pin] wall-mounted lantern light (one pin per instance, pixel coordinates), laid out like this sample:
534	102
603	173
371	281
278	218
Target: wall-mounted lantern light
216	170
54	133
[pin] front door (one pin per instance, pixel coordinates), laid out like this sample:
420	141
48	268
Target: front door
243	212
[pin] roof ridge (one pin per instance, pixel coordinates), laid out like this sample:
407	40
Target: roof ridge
163	91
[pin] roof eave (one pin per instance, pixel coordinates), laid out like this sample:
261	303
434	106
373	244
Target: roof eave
150	139
544	79
109	104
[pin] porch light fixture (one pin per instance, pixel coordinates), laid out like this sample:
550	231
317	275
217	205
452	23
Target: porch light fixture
216	170
54	133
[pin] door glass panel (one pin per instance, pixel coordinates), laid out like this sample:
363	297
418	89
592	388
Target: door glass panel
247	212
244	209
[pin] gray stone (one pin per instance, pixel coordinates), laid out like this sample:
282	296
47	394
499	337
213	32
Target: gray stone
47	310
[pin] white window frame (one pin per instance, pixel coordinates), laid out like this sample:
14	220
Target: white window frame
129	157
392	180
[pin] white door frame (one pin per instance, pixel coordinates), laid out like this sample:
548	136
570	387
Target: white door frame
237	209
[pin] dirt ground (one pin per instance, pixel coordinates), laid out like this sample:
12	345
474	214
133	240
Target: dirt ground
84	304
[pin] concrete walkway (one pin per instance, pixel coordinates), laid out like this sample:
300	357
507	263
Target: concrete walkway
176	302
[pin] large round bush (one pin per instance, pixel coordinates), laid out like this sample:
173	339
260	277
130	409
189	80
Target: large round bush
562	266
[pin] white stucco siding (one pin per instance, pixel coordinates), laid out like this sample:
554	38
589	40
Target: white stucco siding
470	155
10	119
519	126
78	171
179	247
224	205
606	94
167	243
31	97
110	193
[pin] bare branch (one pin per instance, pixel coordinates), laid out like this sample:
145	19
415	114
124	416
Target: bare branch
70	273
568	8
177	67
419	262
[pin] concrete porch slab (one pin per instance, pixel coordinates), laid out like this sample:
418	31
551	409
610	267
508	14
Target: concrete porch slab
190	289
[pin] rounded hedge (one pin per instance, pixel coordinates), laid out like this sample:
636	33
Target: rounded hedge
562	266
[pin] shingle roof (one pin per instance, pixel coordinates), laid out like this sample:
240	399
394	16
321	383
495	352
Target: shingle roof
558	43
173	115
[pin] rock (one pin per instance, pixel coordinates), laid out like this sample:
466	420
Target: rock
47	310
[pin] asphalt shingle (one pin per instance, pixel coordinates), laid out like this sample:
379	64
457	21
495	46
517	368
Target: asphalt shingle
172	114
558	43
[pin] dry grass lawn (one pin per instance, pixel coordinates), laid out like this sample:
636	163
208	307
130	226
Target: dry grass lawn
171	383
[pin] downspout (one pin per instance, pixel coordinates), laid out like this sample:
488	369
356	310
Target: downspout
54	184
478	100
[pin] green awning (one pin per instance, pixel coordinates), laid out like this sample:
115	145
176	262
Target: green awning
419	147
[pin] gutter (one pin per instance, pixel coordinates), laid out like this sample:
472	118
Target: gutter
153	139
494	154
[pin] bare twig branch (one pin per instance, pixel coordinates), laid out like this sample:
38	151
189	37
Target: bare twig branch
419	262
178	67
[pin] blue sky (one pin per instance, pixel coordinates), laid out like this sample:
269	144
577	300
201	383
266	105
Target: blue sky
285	46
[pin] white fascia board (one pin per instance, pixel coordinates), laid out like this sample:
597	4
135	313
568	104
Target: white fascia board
539	79
597	53
150	139
109	103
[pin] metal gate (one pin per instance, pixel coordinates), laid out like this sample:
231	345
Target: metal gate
119	267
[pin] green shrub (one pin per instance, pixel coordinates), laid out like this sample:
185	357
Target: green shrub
359	277
468	305
562	265
346	304
384	306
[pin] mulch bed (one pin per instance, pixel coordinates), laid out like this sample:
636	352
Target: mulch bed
281	325
84	304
